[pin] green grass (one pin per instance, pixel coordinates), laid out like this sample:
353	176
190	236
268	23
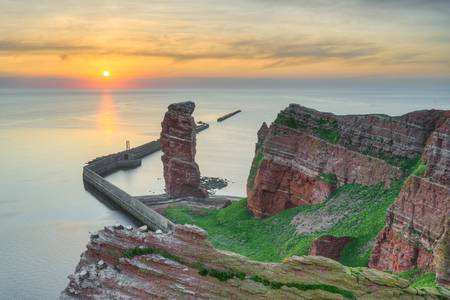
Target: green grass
408	165
328	134
286	121
328	130
254	168
224	275
420	170
328	178
419	279
305	287
274	238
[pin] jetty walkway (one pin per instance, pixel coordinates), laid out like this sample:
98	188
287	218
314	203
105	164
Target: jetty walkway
141	207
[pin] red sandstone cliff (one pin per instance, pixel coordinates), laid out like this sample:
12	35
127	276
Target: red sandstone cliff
183	265
178	142
442	257
305	154
416	221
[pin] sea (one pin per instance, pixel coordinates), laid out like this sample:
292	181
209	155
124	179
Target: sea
47	135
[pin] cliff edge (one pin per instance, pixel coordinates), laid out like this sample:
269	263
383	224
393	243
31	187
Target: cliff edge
304	155
135	264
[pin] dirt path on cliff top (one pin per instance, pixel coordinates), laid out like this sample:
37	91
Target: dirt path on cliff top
329	214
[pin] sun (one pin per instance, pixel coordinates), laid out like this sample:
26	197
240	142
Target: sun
105	73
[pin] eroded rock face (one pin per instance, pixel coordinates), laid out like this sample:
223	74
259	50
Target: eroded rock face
178	142
305	154
414	224
183	265
442	258
416	221
329	246
437	153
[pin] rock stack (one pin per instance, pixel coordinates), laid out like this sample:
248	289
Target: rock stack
178	142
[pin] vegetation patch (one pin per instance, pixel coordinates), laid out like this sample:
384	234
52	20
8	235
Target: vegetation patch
330	135
224	275
274	238
408	165
305	287
419	279
328	130
328	178
420	170
259	156
286	121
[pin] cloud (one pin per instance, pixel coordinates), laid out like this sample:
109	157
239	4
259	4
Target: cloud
397	4
11	46
279	50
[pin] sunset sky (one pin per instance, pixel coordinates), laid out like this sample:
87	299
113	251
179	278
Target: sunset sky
223	38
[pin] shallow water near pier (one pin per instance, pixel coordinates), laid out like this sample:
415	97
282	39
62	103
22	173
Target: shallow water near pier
48	135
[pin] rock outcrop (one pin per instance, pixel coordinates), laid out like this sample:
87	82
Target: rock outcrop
442	259
329	246
414	224
134	264
306	154
416	221
178	142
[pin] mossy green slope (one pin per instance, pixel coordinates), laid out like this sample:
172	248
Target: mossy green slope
362	213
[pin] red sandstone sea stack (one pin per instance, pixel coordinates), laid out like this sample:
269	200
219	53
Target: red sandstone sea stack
178	142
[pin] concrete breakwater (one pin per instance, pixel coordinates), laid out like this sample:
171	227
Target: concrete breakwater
94	171
224	117
108	164
127	202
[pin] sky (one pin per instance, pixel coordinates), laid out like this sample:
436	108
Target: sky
137	41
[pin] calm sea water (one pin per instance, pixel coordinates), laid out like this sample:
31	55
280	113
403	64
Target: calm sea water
47	135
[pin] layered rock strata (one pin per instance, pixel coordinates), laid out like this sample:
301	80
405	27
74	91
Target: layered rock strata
414	224
329	246
442	259
134	264
416	221
305	154
178	142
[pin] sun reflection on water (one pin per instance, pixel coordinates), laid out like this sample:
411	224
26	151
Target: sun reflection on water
107	118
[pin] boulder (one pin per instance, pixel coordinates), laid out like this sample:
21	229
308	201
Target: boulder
329	246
